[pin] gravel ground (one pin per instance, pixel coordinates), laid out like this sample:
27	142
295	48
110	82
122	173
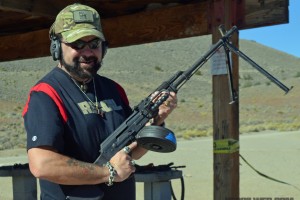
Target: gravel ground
274	154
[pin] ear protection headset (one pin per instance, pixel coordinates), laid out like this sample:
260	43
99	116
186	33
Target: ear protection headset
55	47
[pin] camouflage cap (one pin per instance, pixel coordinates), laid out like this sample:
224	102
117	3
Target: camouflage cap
77	21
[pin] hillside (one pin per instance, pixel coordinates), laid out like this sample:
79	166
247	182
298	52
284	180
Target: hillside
140	69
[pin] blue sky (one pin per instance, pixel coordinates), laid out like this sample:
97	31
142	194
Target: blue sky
285	37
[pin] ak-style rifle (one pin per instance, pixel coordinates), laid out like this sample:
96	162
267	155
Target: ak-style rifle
133	128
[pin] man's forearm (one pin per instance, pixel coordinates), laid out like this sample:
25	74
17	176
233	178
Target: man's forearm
57	168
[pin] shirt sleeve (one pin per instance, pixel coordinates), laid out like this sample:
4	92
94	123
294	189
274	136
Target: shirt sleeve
123	95
43	122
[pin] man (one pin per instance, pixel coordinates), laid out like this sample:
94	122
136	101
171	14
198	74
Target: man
72	110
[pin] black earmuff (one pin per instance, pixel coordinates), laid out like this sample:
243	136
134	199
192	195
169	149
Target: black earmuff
55	48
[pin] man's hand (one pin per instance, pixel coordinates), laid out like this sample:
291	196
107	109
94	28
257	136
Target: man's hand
165	109
123	163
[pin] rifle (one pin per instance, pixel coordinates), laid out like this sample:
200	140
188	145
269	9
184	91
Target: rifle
134	129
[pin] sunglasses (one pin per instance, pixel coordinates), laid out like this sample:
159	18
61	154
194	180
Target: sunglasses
80	44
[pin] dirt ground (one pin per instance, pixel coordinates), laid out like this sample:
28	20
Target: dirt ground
273	154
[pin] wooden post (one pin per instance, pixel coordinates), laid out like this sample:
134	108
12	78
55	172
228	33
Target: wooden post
225	115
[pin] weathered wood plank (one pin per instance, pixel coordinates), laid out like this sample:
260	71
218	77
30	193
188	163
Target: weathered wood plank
158	25
151	26
29	45
165	23
265	13
29	7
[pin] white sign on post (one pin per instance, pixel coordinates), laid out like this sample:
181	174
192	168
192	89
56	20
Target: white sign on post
218	62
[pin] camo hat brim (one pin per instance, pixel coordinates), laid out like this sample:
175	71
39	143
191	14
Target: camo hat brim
77	21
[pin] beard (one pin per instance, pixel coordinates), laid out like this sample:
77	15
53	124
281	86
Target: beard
83	73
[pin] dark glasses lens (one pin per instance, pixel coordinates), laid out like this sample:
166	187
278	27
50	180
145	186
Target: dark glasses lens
79	44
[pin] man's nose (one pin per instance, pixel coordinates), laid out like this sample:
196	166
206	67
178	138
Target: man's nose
86	50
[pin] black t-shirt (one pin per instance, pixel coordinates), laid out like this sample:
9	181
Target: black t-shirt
60	115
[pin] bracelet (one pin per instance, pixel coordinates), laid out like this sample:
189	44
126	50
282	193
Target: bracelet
112	174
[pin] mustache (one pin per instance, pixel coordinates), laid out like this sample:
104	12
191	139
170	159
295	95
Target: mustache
86	59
